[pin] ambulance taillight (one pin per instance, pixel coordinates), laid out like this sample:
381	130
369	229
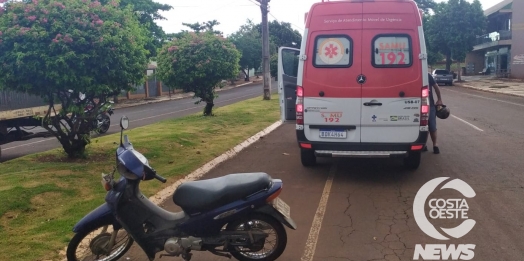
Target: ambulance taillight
299	107
424	106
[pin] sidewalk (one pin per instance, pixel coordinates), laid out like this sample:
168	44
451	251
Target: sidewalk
125	103
514	87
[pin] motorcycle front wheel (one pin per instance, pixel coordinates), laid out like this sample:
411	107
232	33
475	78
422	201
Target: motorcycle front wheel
94	245
269	250
106	123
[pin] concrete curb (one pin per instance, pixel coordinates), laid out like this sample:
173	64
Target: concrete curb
177	97
167	192
486	90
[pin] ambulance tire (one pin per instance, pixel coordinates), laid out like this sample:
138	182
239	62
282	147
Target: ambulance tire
308	158
412	161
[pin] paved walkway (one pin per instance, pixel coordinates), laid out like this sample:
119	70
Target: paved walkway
514	87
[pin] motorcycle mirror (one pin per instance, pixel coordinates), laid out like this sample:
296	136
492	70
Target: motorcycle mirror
124	122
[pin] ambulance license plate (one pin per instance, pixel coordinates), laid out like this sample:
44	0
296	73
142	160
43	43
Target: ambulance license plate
336	134
282	207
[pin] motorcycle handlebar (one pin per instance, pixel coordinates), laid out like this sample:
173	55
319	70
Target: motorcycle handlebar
160	178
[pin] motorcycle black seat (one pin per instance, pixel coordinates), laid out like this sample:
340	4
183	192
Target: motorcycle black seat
204	195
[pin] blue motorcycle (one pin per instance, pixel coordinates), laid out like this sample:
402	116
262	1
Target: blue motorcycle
237	215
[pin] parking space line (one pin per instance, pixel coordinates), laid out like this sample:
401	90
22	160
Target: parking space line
473	126
312	239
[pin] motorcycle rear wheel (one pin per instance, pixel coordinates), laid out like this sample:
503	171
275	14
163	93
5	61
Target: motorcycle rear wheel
94	247
260	221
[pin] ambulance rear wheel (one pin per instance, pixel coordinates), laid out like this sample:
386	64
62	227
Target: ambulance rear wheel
308	158
412	161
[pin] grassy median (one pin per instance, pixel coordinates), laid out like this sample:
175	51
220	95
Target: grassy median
45	194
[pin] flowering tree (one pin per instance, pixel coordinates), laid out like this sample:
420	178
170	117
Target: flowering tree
59	48
198	62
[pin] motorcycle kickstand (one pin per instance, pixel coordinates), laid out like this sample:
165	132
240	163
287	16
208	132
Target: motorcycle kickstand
187	256
214	252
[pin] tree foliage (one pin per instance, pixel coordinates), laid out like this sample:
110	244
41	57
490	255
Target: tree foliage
48	47
452	30
197	27
248	39
208	26
148	12
198	62
426	5
281	34
249	42
433	53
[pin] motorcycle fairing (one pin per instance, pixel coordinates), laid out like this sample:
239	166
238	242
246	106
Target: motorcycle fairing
100	216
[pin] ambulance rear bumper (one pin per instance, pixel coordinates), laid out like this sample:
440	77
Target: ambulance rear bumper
361	150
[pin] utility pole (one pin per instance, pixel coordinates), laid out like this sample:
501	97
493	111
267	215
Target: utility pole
265	49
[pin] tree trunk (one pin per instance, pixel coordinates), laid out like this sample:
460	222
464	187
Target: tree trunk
247	76
208	110
75	148
448	61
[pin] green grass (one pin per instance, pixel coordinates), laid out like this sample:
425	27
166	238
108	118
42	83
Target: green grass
44	195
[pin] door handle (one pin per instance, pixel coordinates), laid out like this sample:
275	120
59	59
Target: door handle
372	104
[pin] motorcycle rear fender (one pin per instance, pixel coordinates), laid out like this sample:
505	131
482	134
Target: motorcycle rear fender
100	216
270	210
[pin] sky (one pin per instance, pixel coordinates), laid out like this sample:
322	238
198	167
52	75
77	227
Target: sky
233	13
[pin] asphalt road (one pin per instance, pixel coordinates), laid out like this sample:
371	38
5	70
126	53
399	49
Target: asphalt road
363	209
139	116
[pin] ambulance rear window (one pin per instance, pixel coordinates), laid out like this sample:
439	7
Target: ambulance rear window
392	51
333	51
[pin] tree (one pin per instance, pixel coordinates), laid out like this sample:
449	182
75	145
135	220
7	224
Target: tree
49	47
273	66
281	34
454	27
426	5
208	26
249	42
198	62
433	55
148	12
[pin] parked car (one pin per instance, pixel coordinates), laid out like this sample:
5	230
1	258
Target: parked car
443	76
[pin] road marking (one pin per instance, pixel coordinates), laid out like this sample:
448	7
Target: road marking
27	144
473	126
311	242
512	103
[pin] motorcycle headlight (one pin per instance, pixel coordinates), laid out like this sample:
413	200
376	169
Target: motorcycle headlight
125	172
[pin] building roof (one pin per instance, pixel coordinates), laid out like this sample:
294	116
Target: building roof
502	5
